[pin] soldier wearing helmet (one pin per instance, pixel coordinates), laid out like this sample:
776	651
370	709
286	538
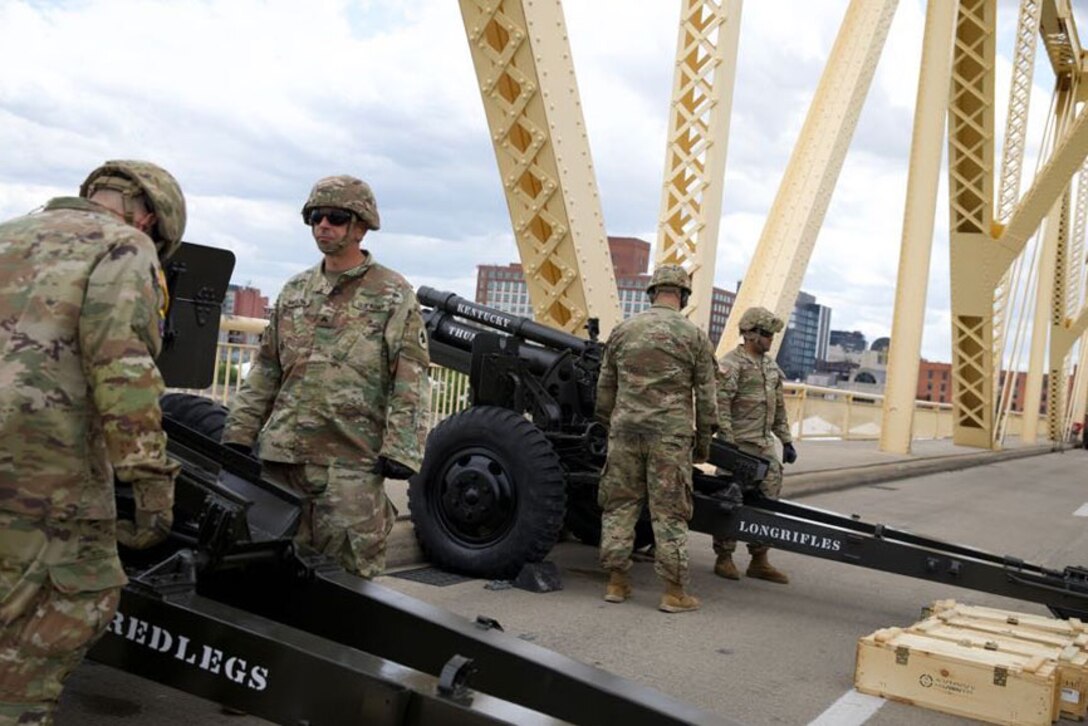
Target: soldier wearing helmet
82	294
751	411
656	394
337	400
671	276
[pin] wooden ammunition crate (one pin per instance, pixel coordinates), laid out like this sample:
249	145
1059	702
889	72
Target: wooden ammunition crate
958	678
1043	637
1065	650
1071	627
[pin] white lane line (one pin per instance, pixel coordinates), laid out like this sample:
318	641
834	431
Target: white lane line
853	709
1082	512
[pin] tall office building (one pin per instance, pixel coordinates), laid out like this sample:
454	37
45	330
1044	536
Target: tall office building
806	338
849	340
504	288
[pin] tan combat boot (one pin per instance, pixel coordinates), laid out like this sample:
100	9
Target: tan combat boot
760	568
619	587
724	567
675	600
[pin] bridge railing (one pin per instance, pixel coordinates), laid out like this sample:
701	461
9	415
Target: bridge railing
815	412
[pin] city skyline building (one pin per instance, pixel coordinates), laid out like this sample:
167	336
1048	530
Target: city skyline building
851	340
245	301
503	286
805	339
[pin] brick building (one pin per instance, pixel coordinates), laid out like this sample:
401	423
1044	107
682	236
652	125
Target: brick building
934	381
246	302
503	286
935	384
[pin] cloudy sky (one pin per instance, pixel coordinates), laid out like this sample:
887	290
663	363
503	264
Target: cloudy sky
248	102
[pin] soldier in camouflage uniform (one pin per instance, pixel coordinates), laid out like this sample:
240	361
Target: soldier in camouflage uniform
656	366
339	396
750	409
81	305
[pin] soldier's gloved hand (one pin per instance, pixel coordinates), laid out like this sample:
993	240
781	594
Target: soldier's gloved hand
789	454
701	448
148	529
391	469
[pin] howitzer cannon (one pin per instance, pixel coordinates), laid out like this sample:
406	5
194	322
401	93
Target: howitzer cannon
499	478
231	609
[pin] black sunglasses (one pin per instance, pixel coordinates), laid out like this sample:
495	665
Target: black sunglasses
764	333
336	217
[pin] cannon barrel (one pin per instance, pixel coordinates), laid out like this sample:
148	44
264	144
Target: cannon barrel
444	328
497	320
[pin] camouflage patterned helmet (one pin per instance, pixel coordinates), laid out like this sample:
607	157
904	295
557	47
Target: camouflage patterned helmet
760	318
670	276
344	192
160	189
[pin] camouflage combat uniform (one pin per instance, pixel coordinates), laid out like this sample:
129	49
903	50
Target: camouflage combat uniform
653	363
81	304
341	378
751	410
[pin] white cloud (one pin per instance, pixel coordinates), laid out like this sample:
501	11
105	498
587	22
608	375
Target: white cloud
249	102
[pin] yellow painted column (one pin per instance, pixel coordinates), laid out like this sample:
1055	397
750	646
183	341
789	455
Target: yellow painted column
774	275
698	140
1049	287
976	264
917	242
523	62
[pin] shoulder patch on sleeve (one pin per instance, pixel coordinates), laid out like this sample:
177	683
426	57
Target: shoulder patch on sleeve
164	291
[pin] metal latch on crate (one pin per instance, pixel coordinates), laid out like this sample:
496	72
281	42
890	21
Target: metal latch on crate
902	655
1001	675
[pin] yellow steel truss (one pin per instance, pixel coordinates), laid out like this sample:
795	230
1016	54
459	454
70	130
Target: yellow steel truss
918	216
1012	160
970	171
523	62
778	266
702	97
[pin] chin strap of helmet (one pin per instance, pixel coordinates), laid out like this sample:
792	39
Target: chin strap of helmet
684	294
127	188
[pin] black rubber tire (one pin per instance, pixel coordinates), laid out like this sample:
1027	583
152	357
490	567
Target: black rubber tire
584	522
202	415
490	496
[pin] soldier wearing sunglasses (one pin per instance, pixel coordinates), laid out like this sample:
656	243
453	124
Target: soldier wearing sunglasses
751	412
337	400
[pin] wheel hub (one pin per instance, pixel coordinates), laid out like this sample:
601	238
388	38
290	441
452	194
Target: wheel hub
477	498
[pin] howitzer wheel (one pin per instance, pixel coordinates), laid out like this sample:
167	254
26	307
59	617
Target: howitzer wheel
202	415
490	496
